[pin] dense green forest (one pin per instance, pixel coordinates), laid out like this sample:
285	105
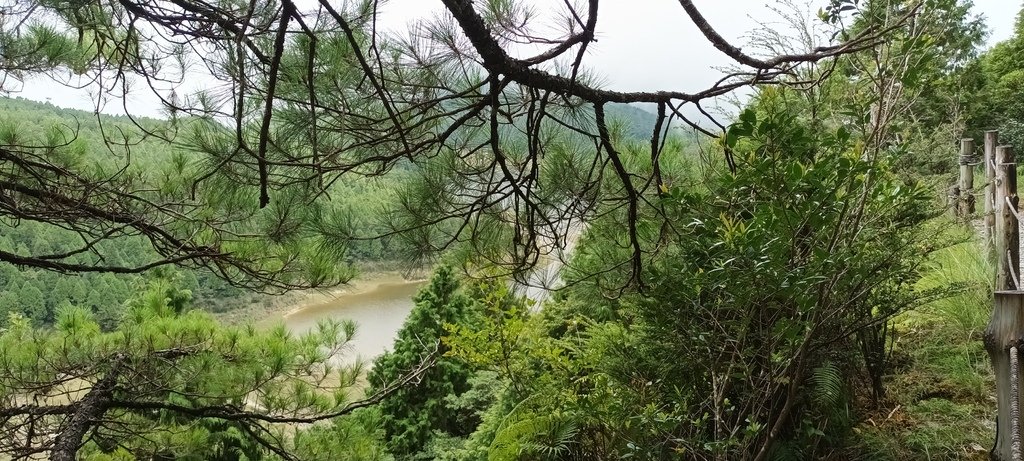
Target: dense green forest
39	294
782	283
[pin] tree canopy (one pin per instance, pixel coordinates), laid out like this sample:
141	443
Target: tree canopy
731	297
170	382
510	137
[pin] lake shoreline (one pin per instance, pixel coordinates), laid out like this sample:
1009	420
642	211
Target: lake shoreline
274	309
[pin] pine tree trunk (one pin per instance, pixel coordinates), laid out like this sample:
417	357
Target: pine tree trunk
89	411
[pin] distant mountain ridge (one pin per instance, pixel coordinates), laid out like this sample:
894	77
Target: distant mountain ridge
638	123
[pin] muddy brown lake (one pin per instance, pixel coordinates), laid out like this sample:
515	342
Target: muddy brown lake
378	307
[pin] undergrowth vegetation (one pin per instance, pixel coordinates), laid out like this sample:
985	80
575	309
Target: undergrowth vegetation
940	403
787	288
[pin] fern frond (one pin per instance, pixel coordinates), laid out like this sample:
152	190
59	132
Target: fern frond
827	385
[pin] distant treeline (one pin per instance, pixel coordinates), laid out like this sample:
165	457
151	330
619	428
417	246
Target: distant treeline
107	143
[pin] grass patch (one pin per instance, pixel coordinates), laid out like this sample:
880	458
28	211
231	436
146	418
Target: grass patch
940	402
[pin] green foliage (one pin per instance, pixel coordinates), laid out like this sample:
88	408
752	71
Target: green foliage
940	391
416	411
916	91
1000	72
31	303
770	294
824	240
637	123
760	326
355	438
92	147
531	435
44	47
81	134
180	383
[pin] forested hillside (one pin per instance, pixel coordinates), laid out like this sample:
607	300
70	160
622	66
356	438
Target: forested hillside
38	293
782	284
112	142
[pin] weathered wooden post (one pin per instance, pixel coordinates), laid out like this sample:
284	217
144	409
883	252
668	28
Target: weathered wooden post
966	202
989	158
1002	340
1005	331
1007	227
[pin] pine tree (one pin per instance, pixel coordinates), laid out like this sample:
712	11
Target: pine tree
416	411
8	305
168	383
32	303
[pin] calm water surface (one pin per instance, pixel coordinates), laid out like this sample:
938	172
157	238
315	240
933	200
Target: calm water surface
381	308
378	312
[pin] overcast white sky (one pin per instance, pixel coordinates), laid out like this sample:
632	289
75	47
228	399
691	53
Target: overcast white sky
651	44
642	44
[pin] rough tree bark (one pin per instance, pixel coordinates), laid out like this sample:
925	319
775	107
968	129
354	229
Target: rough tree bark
90	409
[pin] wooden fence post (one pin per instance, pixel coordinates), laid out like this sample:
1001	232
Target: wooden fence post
1003	338
954	200
966	202
989	158
1007	227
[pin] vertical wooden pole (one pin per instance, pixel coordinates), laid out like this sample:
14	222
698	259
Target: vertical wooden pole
966	178
1007	227
1015	402
1004	332
989	158
954	200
